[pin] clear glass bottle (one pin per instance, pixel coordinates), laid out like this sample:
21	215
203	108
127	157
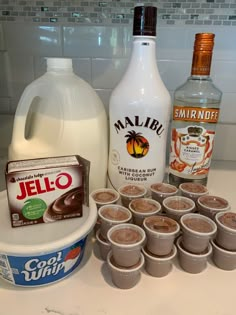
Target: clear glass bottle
195	115
139	111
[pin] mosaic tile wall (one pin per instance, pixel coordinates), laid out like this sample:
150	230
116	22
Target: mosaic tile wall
171	12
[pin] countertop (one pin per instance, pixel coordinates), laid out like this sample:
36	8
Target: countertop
89	291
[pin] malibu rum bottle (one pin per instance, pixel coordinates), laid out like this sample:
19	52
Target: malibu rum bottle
139	111
195	115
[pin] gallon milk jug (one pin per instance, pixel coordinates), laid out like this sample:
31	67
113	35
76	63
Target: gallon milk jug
61	114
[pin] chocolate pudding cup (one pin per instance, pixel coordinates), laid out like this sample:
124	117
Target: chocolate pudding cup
125	277
129	192
192	263
176	206
158	266
105	196
197	231
126	242
226	232
142	208
160	191
112	214
103	244
161	232
222	258
193	190
210	205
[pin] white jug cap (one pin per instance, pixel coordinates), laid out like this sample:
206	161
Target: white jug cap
59	63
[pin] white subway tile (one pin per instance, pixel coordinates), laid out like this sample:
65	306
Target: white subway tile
4	105
81	67
173	72
105	98
3	75
106	73
6	123
225	146
2	42
93	41
224	75
28	39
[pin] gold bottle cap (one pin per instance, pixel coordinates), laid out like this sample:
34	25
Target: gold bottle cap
203	47
204	41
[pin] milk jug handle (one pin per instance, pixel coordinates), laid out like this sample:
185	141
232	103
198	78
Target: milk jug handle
25	102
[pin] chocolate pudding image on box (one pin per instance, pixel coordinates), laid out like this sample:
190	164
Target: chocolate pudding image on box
226	230
68	204
197	231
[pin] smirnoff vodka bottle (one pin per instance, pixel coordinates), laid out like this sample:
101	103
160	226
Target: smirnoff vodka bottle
195	115
139	111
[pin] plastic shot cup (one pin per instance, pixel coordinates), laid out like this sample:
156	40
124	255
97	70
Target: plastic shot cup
160	191
222	258
105	196
226	230
126	242
103	244
193	190
161	232
176	206
142	208
197	231
210	205
112	214
192	263
129	192
125	277
158	266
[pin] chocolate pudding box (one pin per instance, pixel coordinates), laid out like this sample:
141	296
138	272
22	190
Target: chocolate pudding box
47	189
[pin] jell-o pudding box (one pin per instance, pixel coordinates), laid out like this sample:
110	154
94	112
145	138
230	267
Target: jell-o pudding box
47	189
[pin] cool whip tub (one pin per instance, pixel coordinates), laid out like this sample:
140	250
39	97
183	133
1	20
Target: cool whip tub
42	254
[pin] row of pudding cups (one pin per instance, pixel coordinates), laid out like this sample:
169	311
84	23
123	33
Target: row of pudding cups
157	237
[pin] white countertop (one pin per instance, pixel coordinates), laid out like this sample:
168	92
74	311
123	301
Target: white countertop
89	291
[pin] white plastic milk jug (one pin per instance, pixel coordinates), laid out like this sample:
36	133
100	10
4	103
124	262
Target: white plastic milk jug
61	114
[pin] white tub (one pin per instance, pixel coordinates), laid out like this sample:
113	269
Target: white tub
44	253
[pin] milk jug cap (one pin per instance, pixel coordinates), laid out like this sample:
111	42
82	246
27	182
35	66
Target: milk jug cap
59	63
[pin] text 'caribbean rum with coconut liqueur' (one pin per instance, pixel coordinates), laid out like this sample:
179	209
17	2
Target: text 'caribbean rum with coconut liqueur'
139	111
195	115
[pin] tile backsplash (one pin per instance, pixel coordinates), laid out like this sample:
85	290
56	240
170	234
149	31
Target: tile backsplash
209	12
97	35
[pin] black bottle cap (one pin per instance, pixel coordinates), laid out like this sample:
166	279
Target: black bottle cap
145	20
